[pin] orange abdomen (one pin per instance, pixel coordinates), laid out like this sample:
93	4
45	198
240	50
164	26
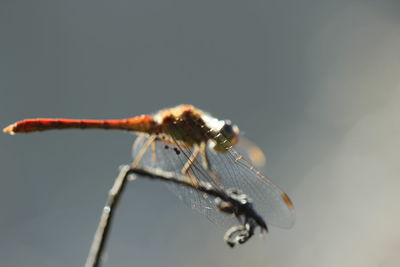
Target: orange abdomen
143	123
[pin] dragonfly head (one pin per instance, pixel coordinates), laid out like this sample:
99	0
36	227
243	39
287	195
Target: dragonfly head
230	132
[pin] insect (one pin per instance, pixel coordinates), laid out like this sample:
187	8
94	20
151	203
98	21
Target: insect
192	143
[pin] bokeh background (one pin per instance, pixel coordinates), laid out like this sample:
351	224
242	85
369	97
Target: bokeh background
315	83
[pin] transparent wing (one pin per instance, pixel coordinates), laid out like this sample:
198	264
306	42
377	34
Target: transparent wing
164	156
268	199
251	151
224	170
236	171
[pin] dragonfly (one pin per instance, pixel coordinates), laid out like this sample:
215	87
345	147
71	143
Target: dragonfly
203	150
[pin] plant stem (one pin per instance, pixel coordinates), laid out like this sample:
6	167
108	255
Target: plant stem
103	229
240	207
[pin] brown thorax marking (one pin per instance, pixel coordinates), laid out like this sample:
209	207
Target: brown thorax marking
184	124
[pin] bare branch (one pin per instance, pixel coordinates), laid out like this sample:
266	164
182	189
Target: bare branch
103	229
230	201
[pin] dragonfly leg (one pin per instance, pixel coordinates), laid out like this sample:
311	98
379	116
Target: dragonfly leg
206	163
153	153
188	164
190	161
142	151
204	156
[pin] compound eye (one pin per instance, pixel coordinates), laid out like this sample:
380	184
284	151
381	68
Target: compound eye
227	129
230	131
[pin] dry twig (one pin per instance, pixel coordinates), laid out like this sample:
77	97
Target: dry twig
231	201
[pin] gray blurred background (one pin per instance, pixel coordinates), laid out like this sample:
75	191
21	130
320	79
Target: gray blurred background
315	83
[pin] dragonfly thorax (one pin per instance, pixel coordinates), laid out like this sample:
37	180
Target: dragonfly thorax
191	126
185	131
